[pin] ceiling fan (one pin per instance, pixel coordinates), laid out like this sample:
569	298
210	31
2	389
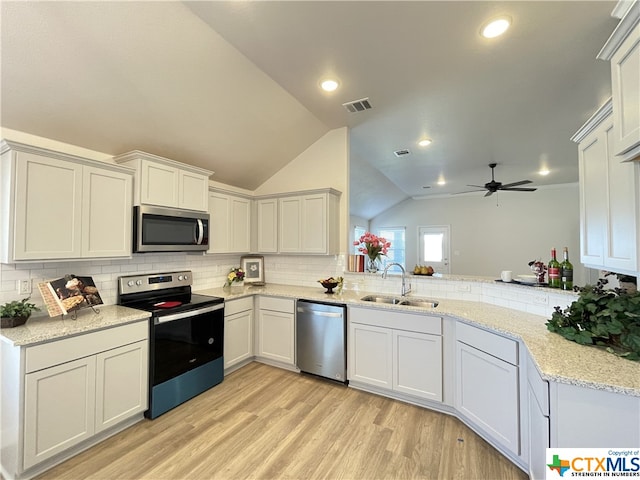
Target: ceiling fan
494	186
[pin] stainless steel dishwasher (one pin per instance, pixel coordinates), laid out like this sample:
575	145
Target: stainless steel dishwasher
321	339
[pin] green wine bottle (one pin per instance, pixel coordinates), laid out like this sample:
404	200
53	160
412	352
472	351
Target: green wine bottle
554	270
566	271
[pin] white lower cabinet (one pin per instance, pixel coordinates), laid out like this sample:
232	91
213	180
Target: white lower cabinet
487	384
538	421
59	409
238	331
276	330
588	418
370	355
401	352
74	389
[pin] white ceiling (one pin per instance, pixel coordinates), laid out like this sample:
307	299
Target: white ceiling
233	86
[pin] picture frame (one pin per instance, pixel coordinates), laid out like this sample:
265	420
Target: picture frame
253	266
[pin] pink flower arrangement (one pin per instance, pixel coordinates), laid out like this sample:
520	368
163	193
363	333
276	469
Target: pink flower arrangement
372	245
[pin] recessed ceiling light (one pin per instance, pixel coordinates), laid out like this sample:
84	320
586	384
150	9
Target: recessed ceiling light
495	27
544	171
441	181
424	142
329	85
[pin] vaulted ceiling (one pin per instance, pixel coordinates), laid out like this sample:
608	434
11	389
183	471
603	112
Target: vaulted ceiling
233	86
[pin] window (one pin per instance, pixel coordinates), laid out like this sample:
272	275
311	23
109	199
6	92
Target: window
433	244
358	231
395	235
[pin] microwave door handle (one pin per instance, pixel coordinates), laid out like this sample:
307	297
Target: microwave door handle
199	232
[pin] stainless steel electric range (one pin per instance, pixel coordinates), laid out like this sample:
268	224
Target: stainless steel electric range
186	333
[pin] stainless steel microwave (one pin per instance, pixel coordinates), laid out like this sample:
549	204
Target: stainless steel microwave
160	229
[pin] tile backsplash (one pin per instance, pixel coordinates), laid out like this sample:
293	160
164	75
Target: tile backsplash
210	271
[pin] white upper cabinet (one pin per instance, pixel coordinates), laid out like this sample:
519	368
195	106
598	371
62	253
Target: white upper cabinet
623	51
608	198
60	206
230	223
167	183
267	211
305	222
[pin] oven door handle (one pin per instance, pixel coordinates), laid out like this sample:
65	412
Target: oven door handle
199	232
189	313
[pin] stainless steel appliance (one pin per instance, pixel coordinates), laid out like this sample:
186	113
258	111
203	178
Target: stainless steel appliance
186	335
321	339
159	229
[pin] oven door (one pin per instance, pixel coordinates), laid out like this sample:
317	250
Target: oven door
158	229
185	341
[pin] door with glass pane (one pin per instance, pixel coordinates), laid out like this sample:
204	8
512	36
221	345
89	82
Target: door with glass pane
433	247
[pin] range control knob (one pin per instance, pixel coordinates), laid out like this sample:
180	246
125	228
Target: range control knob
186	277
139	282
130	283
180	278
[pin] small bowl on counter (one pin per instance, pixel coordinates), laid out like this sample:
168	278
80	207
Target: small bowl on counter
330	283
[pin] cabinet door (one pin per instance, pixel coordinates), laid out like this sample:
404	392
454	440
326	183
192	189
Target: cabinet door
159	184
417	365
238	338
48	209
313	229
268	225
59	409
487	394
219	221
593	151
276	336
538	438
193	191
121	384
625	88
621	238
371	355
106	216
240	225
290	225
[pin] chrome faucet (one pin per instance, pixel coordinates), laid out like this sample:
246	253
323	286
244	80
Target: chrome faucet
404	290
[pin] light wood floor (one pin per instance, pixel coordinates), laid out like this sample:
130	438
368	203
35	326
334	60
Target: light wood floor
266	423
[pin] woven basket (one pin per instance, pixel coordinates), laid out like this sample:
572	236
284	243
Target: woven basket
10	322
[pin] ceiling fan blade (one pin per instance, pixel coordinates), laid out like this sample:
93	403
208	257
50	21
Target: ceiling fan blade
477	186
520	189
467	191
515	184
488	194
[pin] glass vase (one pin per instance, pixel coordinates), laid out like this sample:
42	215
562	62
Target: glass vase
372	265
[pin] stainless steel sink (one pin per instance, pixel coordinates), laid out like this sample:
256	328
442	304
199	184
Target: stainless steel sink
421	302
408	301
381	299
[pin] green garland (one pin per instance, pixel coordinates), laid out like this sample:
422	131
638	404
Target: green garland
606	318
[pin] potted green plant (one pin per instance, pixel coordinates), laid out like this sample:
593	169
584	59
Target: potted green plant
15	313
606	318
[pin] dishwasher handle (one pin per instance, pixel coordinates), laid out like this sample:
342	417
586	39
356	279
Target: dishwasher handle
319	313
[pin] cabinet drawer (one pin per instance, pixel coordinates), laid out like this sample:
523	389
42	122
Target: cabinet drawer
413	322
277	304
539	387
232	307
67	349
491	343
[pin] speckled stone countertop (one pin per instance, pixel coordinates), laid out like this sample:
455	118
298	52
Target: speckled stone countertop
44	329
558	359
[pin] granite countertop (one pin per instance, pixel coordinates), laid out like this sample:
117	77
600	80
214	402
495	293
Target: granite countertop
44	329
557	359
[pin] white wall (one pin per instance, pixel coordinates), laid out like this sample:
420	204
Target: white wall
486	238
324	164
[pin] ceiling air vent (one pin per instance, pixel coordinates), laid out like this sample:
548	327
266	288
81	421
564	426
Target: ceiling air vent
401	153
357	105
